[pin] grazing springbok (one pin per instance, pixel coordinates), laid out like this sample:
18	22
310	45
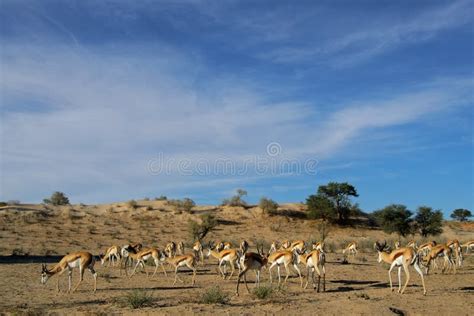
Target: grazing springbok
82	260
112	254
440	251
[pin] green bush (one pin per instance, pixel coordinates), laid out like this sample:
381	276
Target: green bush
161	198
185	205
263	292
214	295
138	299
57	198
3	204
268	206
394	218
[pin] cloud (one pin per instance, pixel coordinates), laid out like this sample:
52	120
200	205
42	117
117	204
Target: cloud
108	114
359	43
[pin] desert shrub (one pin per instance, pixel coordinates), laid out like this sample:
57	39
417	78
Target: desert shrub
365	296
3	204
268	206
262	292
57	198
365	245
149	208
329	246
161	198
199	230
184	205
132	204
276	227
138	299
236	200
214	295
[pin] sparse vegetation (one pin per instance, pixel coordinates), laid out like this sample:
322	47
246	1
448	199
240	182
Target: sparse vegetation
161	198
237	199
268	206
138	299
132	204
263	292
57	198
184	205
214	295
3	204
199	230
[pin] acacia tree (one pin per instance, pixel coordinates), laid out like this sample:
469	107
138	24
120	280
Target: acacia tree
394	218
429	221
461	214
339	194
320	207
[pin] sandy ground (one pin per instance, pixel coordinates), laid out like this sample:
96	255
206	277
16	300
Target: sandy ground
360	287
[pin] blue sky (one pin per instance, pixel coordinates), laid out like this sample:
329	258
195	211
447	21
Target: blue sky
97	96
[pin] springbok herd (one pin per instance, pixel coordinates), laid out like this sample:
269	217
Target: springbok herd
283	254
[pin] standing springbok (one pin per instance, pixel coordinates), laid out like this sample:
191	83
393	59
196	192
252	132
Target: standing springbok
313	261
251	261
145	254
285	258
402	257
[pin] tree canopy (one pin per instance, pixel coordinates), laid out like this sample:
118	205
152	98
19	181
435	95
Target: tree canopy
332	201
57	198
429	221
395	218
461	214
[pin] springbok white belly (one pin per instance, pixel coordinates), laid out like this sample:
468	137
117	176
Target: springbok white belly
74	264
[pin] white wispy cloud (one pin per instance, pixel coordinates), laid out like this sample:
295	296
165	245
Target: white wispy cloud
109	114
360	43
